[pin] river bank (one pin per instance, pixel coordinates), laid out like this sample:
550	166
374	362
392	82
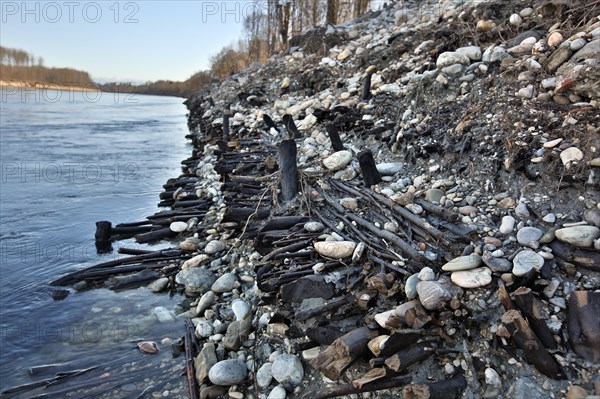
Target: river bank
441	238
46	86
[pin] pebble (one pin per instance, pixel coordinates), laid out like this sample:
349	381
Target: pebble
241	309
195	261
278	392
158	285
526	261
335	249
492	378
287	370
196	280
163	314
515	20
390	168
426	274
410	286
450	58
205	301
527	235
578	236
549	218
264	375
474	278
349	203
508	224
337	160
571	154
497	265
178	227
432	294
215	246
524	388
552	143
228	372
463	263
555	39
313	227
521	211
434	195
226	283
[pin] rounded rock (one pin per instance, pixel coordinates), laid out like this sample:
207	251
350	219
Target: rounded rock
264	375
337	160
288	371
507	225
335	249
278	392
463	263
178	227
450	58
526	261
578	236
432	295
241	309
226	283
215	246
571	154
473	278
527	235
228	372
313	227
410	287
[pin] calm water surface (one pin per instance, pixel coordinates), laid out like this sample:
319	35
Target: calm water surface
69	160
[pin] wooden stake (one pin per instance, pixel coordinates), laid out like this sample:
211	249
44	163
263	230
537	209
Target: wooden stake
334	136
368	168
533	311
289	170
584	324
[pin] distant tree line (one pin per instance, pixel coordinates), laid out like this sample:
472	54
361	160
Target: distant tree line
21	66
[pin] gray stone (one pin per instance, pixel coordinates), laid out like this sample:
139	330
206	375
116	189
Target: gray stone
215	246
349	203
197	280
549	218
278	392
473	278
578	236
473	52
158	285
521	211
524	36
463	263
497	265
589	51
225	283
288	371
204	329
507	225
335	249
527	235
389	168
450	57
228	372
237	332
204	361
338	160
241	309
264	375
313	227
410	287
557	58
525	261
207	299
432	294
524	388
178	227
426	274
434	195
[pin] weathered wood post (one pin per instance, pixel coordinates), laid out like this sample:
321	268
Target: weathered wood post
103	234
288	170
369	170
366	93
336	142
226	126
293	131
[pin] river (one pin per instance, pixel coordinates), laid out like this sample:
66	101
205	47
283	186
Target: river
70	159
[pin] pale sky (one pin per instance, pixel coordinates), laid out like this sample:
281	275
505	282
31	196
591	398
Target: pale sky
124	40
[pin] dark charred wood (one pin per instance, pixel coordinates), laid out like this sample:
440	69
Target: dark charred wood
532	309
366	92
534	351
103	231
325	309
243	214
580	257
584	324
269	122
448	389
413	354
349	389
155	235
288	169
133	280
368	168
290	125
440	211
226	126
342	352
334	136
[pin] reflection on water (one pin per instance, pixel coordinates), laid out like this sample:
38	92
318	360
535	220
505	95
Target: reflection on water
65	165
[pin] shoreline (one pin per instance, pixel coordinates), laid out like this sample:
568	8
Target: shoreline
46	86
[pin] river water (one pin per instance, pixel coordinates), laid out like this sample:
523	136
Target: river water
70	159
